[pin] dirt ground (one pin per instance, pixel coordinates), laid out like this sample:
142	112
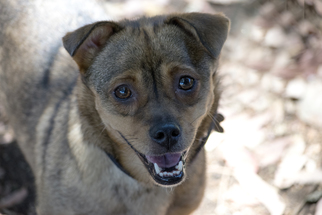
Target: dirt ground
268	160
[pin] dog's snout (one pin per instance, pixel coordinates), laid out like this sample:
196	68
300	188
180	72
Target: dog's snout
166	135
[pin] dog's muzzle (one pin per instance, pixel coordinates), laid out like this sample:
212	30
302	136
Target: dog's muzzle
166	169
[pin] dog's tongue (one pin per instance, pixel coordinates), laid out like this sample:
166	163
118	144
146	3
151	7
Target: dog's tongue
165	161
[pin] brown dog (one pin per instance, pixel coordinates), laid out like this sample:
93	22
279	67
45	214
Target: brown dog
113	138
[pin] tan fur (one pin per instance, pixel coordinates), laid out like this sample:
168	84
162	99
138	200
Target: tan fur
66	117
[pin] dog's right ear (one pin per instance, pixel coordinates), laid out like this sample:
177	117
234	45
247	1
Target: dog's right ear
86	42
211	30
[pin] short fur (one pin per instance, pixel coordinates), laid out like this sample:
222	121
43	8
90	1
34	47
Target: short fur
66	117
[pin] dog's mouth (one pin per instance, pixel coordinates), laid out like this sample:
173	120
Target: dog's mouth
167	169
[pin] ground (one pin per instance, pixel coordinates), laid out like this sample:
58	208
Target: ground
268	161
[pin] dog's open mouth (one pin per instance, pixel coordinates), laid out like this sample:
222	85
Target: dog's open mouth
167	169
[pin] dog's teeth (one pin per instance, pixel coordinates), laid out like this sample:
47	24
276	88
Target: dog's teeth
157	168
169	174
179	166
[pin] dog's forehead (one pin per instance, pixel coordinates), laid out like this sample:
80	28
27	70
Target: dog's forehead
148	44
141	49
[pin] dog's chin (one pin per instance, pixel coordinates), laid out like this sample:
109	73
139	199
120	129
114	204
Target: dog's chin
167	169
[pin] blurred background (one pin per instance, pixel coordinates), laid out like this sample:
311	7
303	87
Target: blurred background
268	160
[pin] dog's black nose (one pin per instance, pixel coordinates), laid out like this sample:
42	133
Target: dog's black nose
166	135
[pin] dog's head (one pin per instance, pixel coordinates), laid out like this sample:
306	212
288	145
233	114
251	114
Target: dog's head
153	80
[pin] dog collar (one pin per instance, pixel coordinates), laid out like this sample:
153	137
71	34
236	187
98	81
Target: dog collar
117	164
215	125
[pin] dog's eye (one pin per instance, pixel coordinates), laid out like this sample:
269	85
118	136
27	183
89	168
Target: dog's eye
122	92
186	83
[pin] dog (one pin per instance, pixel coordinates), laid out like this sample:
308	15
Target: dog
113	119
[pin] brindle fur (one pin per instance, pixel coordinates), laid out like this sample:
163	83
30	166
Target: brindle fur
65	117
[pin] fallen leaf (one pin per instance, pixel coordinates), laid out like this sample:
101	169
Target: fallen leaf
287	19
268	10
296	88
318	208
245	131
240	196
225	2
275	37
271	152
239	158
272	83
305	177
291	164
305	28
314	197
289	72
318	6
309	108
13	198
265	193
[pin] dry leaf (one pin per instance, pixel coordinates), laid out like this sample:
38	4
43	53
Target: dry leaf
292	163
318	209
240	196
271	152
13	198
318	6
296	88
287	19
305	28
264	192
289	72
309	109
239	158
275	37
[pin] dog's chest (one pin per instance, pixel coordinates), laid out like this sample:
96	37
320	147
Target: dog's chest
140	200
123	195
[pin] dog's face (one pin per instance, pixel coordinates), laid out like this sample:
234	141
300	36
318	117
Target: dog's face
153	82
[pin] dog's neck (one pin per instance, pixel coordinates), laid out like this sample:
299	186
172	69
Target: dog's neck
91	121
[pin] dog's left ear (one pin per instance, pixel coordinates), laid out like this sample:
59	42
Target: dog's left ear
86	42
210	30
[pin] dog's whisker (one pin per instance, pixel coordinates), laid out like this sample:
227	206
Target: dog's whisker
199	139
196	119
216	122
103	130
169	190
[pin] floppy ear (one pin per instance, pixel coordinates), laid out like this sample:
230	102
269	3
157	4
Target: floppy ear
86	42
210	30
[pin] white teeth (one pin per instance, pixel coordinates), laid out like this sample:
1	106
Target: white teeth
179	166
157	168
168	174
